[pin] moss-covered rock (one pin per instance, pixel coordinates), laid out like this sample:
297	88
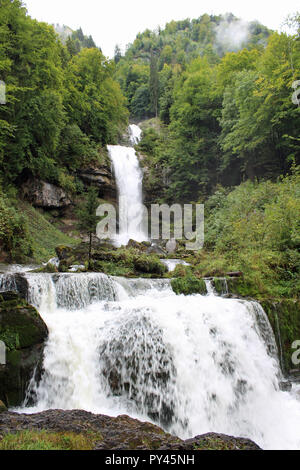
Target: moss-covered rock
284	316
188	285
101	432
243	287
132	261
20	324
23	332
63	252
149	264
129	261
212	441
220	285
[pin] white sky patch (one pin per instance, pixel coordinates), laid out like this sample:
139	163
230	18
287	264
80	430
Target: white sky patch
112	22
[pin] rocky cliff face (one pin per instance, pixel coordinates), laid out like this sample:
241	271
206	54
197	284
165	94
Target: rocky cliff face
102	178
23	332
42	194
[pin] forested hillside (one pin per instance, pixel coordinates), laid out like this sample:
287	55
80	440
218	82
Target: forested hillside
62	106
214	95
222	89
224	131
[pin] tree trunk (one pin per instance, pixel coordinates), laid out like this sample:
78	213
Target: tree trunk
90	250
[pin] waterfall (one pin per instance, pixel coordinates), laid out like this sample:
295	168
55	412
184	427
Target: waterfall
209	287
172	263
191	364
129	179
135	133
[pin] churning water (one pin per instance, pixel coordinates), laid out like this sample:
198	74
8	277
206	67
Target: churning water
191	364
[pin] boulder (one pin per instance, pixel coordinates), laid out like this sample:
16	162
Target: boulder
137	245
156	250
42	194
123	370
285	386
23	331
212	441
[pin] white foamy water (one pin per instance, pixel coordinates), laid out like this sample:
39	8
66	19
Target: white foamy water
172	263
17	268
192	364
129	180
135	133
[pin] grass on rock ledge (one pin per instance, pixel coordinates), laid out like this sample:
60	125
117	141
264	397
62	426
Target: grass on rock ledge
45	237
44	440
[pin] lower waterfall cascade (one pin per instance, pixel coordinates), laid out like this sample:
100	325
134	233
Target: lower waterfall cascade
191	364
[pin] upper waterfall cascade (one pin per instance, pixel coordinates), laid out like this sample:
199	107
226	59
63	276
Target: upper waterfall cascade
192	364
129	179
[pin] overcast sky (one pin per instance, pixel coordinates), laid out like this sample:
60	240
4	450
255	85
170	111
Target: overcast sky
112	22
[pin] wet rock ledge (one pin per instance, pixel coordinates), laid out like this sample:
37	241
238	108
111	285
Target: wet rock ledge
121	433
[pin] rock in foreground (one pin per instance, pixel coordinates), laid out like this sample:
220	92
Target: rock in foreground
23	332
121	433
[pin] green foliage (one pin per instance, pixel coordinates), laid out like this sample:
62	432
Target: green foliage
141	71
86	212
76	149
153	85
87	218
43	235
255	229
46	440
25	234
228	121
93	99
62	101
15	236
284	317
188	285
128	262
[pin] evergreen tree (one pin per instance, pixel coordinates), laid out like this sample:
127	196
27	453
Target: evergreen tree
118	54
154	84
88	219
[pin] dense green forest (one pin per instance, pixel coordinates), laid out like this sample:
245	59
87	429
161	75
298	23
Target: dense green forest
62	105
214	95
226	115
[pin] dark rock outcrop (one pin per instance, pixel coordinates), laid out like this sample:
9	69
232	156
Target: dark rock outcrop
212	441
124	370
16	282
121	433
42	194
2	407
102	178
23	331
